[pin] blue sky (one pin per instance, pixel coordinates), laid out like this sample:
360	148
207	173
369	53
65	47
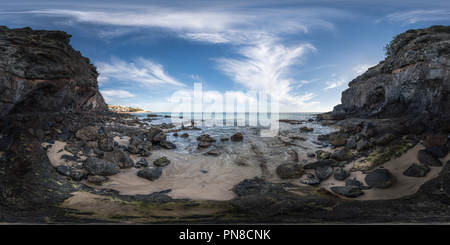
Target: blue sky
307	50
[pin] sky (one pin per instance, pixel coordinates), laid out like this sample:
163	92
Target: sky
308	51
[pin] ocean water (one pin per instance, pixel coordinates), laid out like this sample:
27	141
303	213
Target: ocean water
194	174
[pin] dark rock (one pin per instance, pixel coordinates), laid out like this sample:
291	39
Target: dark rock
351	143
328	162
417	170
435	139
290	171
323	155
67	80
6	143
40	133
161	162
385	139
92	144
87	133
132	149
98	166
338	140
161	136
205	138
439	151
86	150
342	155
363	144
310	154
323	172
97	179
152	132
292	156
184	135
380	178
99	153
151	173
77	175
106	142
141	163
369	130
167	144
119	157
341	173
353	182
204	144
347	191
237	137
135	141
256	186
306	129
72	148
69	158
64	170
64	137
213	152
311	181
427	159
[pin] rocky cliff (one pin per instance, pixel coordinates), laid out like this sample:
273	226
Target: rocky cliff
41	72
414	80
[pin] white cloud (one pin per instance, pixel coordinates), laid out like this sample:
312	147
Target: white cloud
359	69
116	93
411	17
142	72
266	68
197	78
207	37
334	83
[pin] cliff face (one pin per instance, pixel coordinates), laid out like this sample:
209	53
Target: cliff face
415	80
41	72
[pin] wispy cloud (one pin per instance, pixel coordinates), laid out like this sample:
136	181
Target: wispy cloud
361	68
414	16
334	83
116	96
143	72
266	67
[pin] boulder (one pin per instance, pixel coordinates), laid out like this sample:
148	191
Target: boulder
363	144
323	172
427	159
161	162
380	178
106	142
347	191
151	173
141	163
417	170
87	133
385	139
184	135
97	166
439	151
310	181
97	179
342	155
369	130
290	171
351	143
337	140
63	170
237	137
354	182
328	162
6	143
213	152
119	157
341	173
323	155
161	136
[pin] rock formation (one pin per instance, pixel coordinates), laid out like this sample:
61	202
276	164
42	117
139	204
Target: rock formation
414	80
41	72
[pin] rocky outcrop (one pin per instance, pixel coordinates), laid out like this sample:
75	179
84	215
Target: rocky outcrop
41	72
414	80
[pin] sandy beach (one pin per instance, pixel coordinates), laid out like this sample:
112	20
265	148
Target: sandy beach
212	178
